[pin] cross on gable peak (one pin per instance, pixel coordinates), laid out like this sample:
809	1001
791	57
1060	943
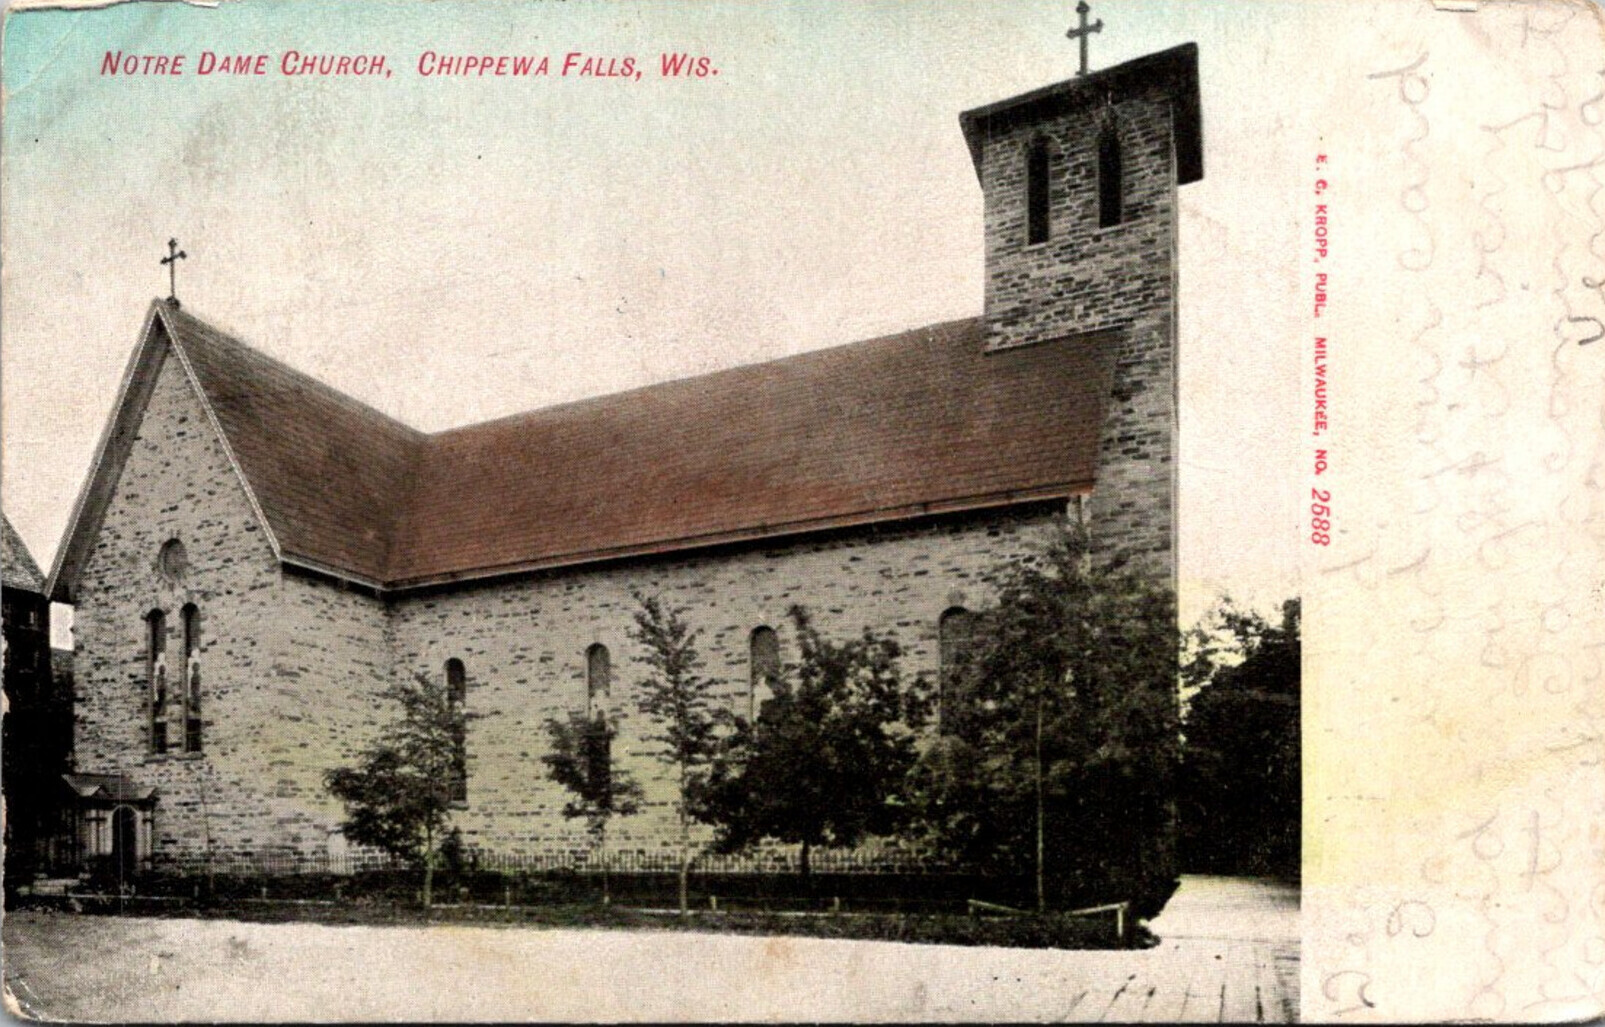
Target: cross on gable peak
174	255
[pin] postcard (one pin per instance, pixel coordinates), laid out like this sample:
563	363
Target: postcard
617	510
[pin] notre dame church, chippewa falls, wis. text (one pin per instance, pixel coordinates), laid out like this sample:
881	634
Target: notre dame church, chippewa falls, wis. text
255	557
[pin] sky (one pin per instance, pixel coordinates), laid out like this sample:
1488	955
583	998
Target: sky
452	249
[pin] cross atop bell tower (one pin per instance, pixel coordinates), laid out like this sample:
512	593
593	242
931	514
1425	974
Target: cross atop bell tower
1081	34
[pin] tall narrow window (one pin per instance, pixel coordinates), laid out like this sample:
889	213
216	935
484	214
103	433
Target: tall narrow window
955	637
156	670
1036	192
457	696
192	678
1109	173
764	648
598	680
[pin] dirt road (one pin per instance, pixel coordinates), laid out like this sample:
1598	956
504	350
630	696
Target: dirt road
1219	959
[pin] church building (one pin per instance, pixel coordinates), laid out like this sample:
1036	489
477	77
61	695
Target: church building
255	556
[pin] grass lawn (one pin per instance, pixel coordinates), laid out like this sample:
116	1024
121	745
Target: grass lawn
1048	930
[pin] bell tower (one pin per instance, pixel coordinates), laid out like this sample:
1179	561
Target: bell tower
1079	181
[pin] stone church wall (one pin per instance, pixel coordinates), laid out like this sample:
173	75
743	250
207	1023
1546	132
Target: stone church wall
286	665
523	644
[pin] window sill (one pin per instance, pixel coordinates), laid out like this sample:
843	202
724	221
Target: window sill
171	757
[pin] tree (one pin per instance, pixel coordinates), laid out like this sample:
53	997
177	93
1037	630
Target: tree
1060	732
1241	789
399	796
581	760
680	704
828	756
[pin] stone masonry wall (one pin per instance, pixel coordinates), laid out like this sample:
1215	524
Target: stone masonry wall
1085	278
286	664
524	643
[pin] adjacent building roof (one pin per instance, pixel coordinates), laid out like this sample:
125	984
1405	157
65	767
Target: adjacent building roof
912	424
17	569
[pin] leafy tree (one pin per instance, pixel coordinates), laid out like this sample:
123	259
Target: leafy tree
826	760
679	702
581	760
399	796
1241	790
1060	733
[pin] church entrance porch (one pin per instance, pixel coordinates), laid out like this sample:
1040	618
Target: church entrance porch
110	826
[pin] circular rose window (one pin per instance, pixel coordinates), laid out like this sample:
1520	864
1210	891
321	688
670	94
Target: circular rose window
172	563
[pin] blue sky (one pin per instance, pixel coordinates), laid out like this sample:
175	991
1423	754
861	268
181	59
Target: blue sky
451	250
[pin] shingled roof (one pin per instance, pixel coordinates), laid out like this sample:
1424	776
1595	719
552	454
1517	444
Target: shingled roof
329	473
908	425
17	569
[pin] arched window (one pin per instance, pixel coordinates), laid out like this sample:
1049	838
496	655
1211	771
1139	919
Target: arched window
156	670
598	680
191	624
764	651
1036	192
1109	175
457	696
456	682
955	637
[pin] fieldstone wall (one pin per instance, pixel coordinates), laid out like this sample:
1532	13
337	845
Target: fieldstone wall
523	644
286	664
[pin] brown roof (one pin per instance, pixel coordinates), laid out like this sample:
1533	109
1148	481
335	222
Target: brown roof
329	473
872	431
911	424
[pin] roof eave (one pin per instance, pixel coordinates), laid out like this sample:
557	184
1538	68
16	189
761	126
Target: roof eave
329	570
177	342
757	533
